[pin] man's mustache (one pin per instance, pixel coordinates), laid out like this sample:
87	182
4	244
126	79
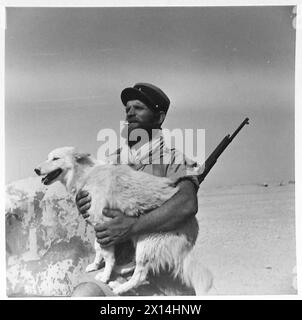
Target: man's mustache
131	119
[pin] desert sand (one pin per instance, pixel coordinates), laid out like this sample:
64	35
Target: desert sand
247	238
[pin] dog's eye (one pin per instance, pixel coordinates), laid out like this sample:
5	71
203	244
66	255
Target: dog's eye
55	158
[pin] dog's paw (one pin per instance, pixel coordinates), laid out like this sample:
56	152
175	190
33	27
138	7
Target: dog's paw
92	267
118	290
114	284
103	277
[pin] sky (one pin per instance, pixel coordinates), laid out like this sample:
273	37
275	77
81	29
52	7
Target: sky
66	67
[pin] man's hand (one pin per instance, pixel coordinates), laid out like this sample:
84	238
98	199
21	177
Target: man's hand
83	202
116	230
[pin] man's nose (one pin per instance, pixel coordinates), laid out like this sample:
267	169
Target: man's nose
130	111
37	171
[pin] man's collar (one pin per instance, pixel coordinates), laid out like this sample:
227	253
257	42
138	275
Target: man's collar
156	134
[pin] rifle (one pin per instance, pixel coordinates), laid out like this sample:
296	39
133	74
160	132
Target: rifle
212	159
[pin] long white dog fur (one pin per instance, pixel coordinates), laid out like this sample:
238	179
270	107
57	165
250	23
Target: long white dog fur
134	193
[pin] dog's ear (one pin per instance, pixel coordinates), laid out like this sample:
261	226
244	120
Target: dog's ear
82	158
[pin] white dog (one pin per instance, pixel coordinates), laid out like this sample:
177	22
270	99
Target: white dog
134	193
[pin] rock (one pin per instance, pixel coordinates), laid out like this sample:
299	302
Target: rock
48	243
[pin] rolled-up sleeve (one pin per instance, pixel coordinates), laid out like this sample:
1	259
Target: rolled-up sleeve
182	168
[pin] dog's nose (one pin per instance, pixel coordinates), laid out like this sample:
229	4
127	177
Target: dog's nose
37	171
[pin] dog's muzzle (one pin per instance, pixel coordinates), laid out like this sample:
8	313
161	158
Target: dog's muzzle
50	176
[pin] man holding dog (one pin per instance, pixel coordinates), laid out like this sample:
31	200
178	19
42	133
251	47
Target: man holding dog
146	107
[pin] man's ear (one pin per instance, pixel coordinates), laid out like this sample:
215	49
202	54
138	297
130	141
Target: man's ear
161	117
83	158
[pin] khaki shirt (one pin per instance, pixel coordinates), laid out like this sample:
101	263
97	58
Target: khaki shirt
166	162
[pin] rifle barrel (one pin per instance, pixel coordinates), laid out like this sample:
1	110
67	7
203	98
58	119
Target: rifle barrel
244	122
212	158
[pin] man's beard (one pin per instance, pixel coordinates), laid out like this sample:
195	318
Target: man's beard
135	132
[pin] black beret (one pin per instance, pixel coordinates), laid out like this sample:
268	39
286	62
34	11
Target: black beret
149	94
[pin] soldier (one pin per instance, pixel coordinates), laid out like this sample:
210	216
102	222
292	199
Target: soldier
146	107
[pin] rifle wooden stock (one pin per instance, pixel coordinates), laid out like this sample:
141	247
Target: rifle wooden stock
212	159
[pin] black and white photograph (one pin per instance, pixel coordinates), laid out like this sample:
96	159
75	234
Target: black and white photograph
150	151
